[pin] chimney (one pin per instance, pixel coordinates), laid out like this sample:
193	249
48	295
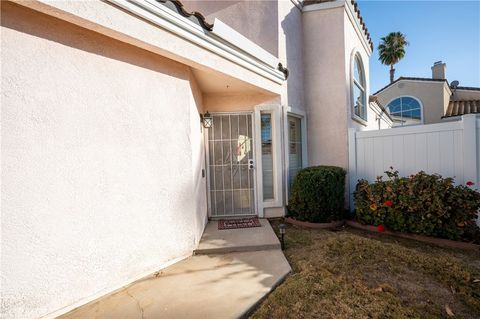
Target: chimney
438	70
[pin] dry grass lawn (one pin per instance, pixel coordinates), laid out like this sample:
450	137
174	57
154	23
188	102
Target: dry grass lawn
354	274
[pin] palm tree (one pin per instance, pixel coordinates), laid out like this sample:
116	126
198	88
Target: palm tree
391	50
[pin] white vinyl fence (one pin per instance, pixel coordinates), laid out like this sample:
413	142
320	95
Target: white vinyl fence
450	149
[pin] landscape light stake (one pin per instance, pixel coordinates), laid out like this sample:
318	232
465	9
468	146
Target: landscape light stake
281	228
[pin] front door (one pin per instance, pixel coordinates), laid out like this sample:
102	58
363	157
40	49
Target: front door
231	165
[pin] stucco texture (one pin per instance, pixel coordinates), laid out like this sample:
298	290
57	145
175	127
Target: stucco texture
290	41
325	97
101	163
254	19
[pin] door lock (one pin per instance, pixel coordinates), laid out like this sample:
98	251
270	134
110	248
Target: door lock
250	164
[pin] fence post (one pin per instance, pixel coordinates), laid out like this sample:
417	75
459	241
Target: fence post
470	145
352	165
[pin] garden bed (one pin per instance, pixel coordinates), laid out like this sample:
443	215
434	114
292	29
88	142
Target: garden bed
425	239
300	223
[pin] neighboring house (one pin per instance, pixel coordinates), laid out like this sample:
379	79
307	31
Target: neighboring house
108	173
413	100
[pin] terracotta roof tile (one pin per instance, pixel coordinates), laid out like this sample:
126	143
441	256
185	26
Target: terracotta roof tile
374	99
357	11
461	107
195	16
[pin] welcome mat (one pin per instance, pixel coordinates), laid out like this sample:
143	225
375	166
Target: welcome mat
238	223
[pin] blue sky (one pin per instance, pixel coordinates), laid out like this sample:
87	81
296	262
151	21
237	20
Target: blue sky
436	30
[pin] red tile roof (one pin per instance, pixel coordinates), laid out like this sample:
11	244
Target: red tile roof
374	99
197	16
457	108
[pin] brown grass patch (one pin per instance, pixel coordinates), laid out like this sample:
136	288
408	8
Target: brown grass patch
353	274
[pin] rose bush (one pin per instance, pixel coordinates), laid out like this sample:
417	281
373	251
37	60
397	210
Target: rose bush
422	204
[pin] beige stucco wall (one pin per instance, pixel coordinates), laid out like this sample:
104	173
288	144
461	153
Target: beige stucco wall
105	18
330	42
291	54
354	46
101	157
237	102
254	19
434	96
325	97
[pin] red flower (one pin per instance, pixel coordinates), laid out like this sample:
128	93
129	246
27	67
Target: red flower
470	183
380	228
388	203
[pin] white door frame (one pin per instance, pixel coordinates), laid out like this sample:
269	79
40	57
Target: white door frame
206	133
302	115
276	114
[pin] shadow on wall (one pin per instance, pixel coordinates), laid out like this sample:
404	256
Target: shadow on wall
292	29
208	7
28	21
254	19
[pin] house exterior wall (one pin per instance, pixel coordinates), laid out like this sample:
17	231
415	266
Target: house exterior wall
101	156
434	97
353	46
237	102
102	136
325	96
262	16
291	54
106	18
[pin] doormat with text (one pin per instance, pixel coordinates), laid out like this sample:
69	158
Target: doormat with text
238	223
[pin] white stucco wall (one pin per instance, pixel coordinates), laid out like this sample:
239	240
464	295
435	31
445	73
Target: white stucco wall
101	157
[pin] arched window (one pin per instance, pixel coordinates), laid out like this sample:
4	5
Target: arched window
359	89
405	110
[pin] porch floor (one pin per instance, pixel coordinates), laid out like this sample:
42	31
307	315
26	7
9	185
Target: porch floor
215	241
212	285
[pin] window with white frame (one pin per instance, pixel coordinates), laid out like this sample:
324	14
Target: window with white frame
267	155
295	148
359	95
405	110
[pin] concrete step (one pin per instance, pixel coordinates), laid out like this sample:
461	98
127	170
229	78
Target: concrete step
215	241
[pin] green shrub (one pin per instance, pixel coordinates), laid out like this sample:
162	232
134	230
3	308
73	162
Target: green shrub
422	204
318	194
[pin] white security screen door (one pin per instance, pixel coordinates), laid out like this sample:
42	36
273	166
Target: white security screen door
231	165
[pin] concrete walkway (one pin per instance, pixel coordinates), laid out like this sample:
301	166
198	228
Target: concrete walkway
231	271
